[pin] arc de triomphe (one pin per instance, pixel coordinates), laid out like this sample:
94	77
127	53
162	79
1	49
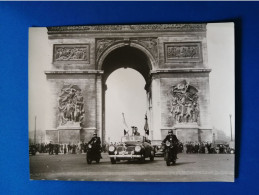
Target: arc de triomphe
171	57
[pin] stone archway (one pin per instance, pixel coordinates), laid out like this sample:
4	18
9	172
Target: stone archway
171	57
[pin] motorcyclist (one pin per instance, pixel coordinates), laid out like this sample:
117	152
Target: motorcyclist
96	143
172	139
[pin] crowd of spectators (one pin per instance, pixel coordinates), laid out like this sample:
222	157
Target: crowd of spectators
206	148
188	148
52	148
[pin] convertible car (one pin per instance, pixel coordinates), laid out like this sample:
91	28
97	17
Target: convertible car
132	148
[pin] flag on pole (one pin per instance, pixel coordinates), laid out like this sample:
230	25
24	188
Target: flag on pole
125	126
146	126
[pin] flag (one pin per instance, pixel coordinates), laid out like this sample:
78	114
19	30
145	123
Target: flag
146	126
125	126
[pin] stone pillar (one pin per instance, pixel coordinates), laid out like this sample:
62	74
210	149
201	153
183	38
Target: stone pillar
149	115
156	107
99	127
188	118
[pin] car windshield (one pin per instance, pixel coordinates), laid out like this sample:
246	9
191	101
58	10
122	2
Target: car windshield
132	138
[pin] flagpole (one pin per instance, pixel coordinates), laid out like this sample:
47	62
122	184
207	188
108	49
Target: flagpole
126	128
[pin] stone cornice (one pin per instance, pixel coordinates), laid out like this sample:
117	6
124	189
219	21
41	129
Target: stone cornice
179	70
56	72
158	71
194	27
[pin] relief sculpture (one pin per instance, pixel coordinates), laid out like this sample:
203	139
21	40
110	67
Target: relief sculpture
70	105
150	44
71	53
103	44
184	103
183	52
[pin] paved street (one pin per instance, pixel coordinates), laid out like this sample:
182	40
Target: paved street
189	167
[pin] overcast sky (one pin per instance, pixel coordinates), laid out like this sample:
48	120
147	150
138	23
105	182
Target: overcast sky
126	86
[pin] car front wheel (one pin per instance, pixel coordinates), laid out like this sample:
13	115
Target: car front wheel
152	155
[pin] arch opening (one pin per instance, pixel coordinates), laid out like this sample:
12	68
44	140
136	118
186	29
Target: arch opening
135	65
127	57
125	94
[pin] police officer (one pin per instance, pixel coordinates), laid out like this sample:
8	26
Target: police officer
172	138
96	142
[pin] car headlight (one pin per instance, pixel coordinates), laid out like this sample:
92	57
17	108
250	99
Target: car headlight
111	148
167	144
89	146
137	148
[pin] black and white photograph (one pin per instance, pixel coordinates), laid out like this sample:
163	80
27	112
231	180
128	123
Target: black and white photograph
142	102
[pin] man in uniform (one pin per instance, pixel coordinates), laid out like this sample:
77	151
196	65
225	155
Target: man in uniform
172	138
136	132
96	142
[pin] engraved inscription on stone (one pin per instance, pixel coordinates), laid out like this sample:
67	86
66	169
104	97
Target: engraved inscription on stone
70	105
184	103
183	52
71	52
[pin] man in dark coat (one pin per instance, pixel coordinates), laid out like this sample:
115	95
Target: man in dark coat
51	148
172	139
96	142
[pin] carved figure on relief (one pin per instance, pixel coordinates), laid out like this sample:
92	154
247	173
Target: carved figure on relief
184	103
68	53
103	44
70	105
183	52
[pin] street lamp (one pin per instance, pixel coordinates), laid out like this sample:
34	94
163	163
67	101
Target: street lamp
230	126
35	130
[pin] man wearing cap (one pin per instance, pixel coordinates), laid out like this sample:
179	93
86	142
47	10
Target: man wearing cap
136	132
172	138
96	142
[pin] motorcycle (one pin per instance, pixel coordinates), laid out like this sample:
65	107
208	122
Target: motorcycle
170	153
93	154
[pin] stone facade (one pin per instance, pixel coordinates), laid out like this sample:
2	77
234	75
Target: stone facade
169	55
